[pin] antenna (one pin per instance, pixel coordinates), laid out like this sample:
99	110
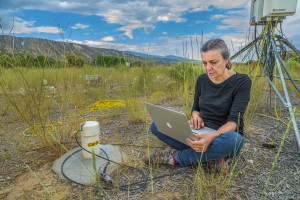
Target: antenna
270	44
201	39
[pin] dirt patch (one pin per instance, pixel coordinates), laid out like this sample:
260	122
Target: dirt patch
28	186
167	195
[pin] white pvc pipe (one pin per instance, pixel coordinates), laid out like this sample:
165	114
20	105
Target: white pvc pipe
90	136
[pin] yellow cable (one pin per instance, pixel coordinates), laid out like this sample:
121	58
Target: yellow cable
86	113
264	33
263	44
272	117
275	109
256	71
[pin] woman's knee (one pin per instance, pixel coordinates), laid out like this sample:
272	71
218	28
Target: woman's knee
235	141
236	138
238	142
154	129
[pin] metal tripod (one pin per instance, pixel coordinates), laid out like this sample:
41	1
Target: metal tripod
269	47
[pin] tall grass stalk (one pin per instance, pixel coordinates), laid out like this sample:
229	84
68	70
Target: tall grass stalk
48	194
263	196
96	171
97	176
257	96
149	164
214	184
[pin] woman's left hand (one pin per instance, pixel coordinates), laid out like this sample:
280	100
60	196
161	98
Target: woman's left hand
203	142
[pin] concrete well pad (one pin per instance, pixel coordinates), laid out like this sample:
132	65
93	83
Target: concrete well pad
80	169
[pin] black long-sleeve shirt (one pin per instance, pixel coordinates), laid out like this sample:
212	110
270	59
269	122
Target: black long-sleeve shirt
219	103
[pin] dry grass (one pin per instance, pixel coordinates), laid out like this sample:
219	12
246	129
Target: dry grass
24	98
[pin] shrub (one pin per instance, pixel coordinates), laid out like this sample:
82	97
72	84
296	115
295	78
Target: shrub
108	61
6	61
74	60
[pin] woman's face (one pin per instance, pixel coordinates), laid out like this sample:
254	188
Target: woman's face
214	64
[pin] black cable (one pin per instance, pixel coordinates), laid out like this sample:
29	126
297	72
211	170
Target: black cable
130	145
123	187
144	180
256	48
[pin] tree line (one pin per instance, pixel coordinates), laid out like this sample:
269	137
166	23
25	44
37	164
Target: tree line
71	60
113	61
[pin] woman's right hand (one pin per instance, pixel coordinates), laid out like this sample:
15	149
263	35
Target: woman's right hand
196	121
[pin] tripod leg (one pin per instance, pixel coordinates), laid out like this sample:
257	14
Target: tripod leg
288	102
277	92
286	70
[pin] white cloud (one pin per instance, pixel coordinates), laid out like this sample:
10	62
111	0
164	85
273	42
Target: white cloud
128	30
238	12
189	46
235	41
135	14
129	14
164	33
45	29
63	4
241	25
163	18
113	16
80	26
22	26
69	5
238	20
108	45
108	39
184	46
219	16
201	8
229	4
149	28
291	27
200	22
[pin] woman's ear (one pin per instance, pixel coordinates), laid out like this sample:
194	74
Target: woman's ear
228	64
227	61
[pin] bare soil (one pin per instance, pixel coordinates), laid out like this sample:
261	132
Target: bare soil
17	182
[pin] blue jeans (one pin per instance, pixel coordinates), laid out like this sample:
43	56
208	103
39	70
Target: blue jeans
225	145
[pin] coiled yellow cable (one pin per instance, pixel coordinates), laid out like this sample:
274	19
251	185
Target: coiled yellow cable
86	114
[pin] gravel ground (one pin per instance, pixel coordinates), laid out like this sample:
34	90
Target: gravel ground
284	182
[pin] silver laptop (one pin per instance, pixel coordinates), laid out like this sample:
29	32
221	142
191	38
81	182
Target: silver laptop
174	124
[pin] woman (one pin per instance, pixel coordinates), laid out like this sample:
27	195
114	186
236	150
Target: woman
220	100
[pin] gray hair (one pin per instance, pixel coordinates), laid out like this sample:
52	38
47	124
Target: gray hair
217	44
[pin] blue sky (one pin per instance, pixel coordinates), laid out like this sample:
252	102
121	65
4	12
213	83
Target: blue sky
158	27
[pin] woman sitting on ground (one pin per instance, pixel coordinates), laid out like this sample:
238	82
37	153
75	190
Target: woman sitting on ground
220	100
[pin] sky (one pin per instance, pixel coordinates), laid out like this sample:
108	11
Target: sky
156	27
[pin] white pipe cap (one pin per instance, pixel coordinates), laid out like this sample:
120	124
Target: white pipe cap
90	128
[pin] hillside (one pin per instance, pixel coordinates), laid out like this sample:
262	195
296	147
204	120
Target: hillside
56	50
168	57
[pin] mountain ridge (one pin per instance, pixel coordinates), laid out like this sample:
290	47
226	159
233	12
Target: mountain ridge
57	50
156	56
